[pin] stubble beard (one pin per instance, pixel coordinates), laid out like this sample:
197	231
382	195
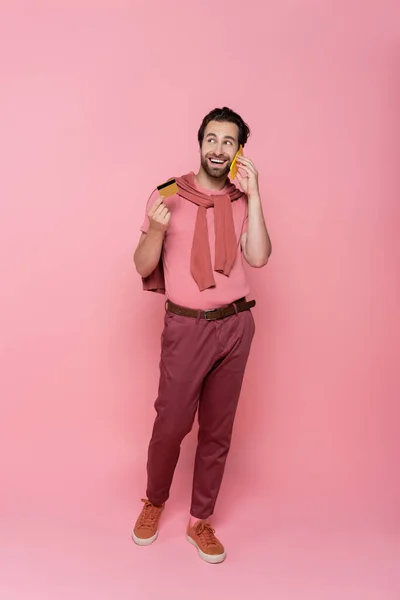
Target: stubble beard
215	173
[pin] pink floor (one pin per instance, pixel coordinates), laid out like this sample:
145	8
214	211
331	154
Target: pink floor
63	545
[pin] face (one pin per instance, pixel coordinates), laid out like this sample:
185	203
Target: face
220	144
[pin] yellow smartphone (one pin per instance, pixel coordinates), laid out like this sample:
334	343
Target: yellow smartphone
234	166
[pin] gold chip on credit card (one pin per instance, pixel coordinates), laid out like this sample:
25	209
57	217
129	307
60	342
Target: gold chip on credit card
168	189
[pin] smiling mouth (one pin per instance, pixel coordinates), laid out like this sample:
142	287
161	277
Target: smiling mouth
217	161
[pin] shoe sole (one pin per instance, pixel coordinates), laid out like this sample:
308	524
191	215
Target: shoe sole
144	541
209	558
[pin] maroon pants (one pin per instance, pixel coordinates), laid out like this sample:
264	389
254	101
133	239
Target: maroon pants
201	368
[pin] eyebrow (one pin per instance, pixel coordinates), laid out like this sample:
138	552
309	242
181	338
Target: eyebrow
226	137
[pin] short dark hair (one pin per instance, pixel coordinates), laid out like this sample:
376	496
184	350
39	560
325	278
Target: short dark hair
225	115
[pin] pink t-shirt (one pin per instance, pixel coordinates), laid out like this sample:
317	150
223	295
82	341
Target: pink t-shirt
180	287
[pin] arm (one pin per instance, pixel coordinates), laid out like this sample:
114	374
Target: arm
149	248
256	243
148	252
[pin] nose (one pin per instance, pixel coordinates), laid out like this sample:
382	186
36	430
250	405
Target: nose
219	149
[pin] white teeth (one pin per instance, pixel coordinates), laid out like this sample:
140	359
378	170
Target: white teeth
218	162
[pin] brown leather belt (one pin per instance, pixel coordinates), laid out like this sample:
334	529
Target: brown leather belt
211	315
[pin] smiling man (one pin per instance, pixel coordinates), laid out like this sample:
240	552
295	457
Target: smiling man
192	248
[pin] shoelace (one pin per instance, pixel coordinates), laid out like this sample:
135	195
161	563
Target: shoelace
207	533
149	514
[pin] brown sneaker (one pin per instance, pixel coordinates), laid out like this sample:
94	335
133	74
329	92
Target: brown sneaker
145	531
202	536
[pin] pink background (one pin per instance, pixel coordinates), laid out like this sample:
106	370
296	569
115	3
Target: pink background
100	101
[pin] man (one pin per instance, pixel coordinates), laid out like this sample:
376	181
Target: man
192	248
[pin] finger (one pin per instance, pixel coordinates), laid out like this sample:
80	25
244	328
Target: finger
243	158
242	175
246	161
245	170
167	218
156	205
163	213
242	182
248	169
160	210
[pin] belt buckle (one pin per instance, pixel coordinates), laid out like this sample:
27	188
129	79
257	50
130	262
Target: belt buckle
206	312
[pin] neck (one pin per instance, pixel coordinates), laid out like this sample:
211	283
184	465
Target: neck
210	183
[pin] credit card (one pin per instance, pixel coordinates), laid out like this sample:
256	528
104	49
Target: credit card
168	188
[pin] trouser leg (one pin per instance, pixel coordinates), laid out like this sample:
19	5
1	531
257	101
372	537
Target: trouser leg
217	408
187	354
